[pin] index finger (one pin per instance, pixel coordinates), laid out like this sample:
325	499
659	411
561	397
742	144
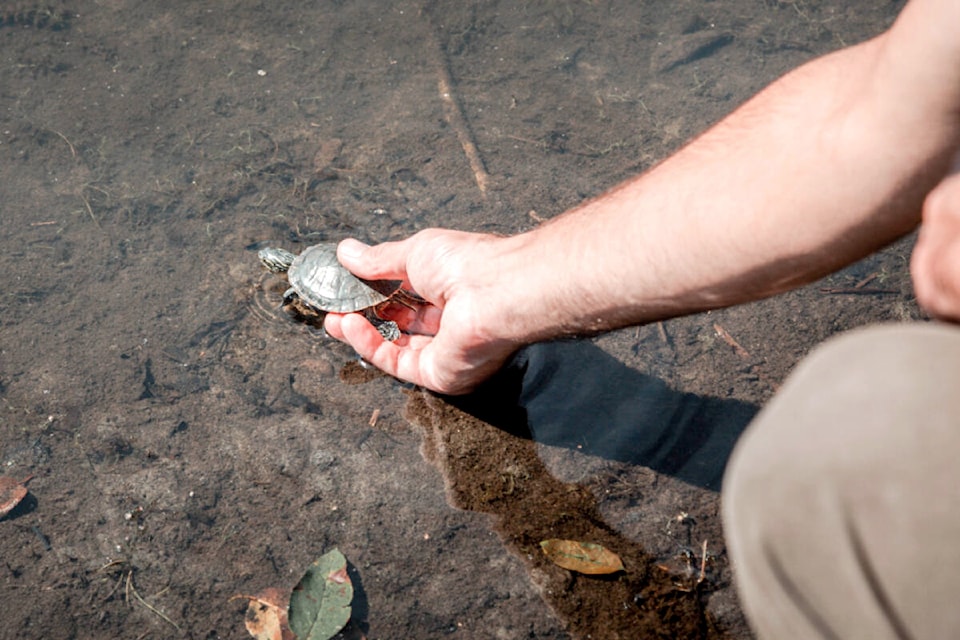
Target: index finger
399	359
412	358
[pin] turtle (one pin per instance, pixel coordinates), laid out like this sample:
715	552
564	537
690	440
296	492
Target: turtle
322	284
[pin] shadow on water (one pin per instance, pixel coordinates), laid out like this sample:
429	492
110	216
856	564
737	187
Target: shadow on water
573	394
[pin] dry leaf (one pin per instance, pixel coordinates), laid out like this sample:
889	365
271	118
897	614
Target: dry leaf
12	491
266	617
582	557
326	155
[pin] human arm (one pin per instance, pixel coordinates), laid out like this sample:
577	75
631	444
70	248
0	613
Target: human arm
827	164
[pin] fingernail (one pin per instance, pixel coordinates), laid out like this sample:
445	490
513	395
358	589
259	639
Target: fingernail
351	249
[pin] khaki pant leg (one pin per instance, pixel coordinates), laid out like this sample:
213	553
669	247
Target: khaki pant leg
841	502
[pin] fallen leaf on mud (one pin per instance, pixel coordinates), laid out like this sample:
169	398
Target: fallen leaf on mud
320	603
12	491
266	617
582	557
326	155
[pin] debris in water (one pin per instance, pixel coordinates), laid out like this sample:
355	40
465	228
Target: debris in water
582	557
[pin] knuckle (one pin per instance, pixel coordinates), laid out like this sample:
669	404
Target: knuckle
943	202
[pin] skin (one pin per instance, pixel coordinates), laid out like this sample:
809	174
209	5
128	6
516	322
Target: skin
936	257
826	165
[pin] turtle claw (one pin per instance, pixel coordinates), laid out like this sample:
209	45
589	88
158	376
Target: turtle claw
389	329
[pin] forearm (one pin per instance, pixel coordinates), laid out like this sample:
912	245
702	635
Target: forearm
823	167
828	164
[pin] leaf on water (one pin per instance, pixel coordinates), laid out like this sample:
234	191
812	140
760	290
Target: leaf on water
320	604
12	491
582	557
266	617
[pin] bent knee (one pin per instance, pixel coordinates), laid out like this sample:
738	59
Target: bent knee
859	438
864	399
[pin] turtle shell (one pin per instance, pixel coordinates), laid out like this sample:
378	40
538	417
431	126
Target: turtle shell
323	283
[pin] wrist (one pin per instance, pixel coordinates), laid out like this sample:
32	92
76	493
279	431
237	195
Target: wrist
536	290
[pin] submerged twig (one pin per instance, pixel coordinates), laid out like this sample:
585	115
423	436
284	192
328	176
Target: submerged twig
662	332
726	337
860	288
86	203
703	563
857	291
130	588
73	151
453	113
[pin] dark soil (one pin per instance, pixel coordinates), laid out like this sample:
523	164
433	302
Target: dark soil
190	443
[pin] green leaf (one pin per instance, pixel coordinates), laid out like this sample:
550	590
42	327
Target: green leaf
320	603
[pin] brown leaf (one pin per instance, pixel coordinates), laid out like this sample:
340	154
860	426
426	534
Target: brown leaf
12	491
266	617
339	576
326	155
582	557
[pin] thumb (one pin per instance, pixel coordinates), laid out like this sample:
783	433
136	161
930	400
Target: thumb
386	261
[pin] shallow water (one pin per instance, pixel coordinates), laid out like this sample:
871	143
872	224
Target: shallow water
191	443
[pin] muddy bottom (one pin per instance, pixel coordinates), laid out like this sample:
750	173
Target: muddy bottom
189	442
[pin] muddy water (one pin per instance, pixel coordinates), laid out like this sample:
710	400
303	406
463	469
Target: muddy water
189	443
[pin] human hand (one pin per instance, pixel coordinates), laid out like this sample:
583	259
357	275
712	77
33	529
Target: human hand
935	264
453	342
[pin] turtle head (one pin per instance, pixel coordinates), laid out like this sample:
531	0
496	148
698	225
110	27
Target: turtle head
275	259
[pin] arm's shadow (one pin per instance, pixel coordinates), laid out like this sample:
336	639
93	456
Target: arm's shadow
573	394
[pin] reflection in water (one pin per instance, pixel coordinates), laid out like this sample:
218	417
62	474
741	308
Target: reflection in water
573	394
